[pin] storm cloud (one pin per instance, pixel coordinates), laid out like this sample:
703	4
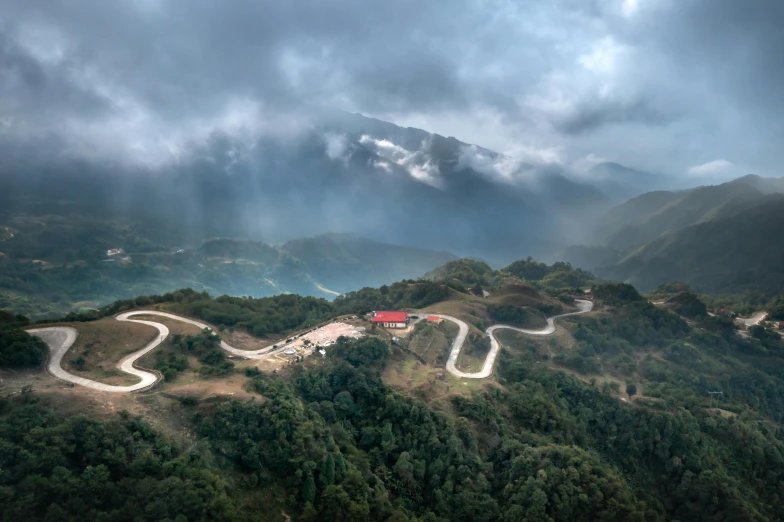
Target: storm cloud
661	85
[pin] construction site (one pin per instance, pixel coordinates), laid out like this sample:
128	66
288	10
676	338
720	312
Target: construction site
317	340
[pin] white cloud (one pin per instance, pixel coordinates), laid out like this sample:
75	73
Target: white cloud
584	165
426	173
153	142
518	164
712	168
603	57
630	7
336	145
417	163
383	165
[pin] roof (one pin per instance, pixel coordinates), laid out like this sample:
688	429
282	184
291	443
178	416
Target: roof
433	318
390	317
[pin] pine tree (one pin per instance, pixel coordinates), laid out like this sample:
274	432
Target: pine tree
340	464
309	489
328	471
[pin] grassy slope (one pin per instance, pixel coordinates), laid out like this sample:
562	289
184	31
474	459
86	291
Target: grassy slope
103	344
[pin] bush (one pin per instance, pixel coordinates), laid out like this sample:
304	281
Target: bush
17	347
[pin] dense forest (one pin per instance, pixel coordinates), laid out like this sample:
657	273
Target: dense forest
17	347
544	446
477	274
259	317
79	469
172	358
405	294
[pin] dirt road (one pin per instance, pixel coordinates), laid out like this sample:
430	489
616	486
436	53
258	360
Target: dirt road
487	369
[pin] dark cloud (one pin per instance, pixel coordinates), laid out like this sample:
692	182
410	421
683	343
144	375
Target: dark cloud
142	79
598	113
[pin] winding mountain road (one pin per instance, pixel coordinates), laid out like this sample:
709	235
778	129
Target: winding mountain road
584	306
61	338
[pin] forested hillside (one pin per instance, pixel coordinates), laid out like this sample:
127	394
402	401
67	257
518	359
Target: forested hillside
17	347
51	264
332	440
650	215
724	256
718	239
477	275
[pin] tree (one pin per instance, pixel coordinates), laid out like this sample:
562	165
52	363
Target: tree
328	470
79	362
309	489
631	389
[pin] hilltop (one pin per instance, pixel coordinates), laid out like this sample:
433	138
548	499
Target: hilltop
590	407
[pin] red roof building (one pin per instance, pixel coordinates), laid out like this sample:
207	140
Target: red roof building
390	319
434	319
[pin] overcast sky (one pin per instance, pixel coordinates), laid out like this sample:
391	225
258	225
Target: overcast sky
687	87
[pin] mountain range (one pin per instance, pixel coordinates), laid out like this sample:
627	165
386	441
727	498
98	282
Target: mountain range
342	177
719	239
341	172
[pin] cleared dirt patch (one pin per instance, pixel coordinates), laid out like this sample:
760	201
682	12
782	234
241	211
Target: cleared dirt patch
229	387
101	345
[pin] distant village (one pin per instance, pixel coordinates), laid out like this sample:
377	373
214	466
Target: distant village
117	255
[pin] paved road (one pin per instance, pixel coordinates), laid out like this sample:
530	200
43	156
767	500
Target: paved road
249	354
61	338
487	369
754	319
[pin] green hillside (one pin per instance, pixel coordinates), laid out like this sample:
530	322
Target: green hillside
478	275
608	420
728	255
718	239
647	217
54	264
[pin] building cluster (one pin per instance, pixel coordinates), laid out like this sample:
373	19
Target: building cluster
390	319
117	254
